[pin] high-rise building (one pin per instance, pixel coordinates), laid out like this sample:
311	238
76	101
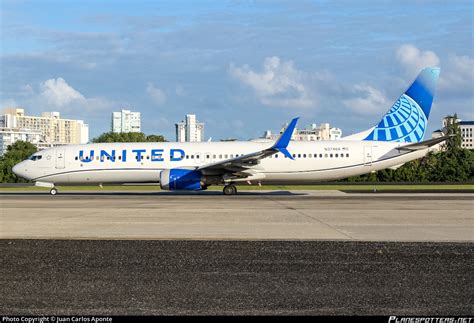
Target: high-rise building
45	131
126	121
190	130
312	133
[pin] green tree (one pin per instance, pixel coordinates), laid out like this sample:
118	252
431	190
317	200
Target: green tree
155	138
453	144
15	153
128	137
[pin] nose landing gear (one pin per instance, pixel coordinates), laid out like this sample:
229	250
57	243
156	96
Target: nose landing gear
230	190
53	191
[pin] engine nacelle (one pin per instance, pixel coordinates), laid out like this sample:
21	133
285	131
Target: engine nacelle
181	179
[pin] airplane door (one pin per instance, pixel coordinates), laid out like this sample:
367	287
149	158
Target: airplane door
367	155
60	158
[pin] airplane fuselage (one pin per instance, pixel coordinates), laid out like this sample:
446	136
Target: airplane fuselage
143	162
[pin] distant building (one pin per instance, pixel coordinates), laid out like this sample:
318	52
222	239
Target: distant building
466	128
190	130
8	136
313	133
126	121
46	131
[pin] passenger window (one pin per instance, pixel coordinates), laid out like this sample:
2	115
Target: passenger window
225	156
325	155
214	156
347	155
76	158
208	156
220	156
330	155
337	155
304	155
187	156
294	156
276	155
192	156
120	157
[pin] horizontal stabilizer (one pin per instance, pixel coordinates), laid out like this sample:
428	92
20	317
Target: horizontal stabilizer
424	144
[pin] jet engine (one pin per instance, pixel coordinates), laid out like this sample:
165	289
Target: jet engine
181	179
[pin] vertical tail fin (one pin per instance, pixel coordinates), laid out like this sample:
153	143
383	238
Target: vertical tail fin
407	120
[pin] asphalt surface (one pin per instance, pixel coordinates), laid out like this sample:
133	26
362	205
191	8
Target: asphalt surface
272	215
73	277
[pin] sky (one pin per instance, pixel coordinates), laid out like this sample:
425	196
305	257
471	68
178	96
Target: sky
241	66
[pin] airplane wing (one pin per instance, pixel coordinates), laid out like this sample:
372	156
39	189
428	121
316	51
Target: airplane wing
424	144
245	162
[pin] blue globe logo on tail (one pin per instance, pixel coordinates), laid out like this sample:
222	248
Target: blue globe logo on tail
407	120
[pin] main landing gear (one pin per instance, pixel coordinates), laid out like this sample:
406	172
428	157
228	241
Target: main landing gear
229	190
53	191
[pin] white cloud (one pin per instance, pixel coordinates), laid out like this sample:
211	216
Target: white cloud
157	95
58	93
457	72
457	76
369	100
279	84
9	103
414	59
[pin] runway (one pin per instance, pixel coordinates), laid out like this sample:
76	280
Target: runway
284	215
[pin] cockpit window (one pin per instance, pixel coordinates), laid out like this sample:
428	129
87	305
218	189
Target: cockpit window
36	157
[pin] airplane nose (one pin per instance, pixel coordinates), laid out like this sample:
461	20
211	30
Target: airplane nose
19	170
15	169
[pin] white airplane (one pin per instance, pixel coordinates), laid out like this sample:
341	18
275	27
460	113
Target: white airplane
395	140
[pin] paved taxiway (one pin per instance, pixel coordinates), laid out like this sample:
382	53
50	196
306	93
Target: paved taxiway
305	215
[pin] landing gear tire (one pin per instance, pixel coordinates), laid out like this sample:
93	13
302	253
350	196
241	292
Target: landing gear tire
53	191
229	190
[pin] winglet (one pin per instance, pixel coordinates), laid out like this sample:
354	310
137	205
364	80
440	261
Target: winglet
285	138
